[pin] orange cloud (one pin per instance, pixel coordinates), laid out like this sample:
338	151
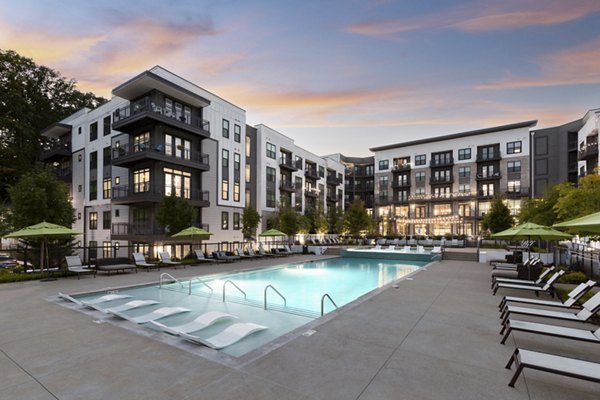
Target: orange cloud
574	66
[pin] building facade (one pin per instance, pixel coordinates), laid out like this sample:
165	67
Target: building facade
445	185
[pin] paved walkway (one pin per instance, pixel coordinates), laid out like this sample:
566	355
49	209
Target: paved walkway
434	337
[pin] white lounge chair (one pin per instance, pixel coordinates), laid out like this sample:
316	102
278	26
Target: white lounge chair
140	261
69	298
420	249
590	307
551	330
203	321
75	265
200	256
230	335
154	315
437	249
546	288
165	259
553	364
538	282
127	306
253	254
407	249
104	299
572	297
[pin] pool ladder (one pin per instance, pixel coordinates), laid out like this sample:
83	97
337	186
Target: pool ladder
236	286
327	296
171	278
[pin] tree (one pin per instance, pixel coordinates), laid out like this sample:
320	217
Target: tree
356	218
175	214
40	197
542	211
317	219
32	97
578	201
498	218
250	221
335	219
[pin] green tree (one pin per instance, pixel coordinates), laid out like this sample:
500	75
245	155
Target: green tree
317	219
498	218
357	219
250	221
542	211
38	197
32	97
175	214
578	201
335	219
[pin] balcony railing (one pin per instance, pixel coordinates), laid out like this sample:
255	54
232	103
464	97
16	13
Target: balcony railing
332	199
441	162
145	192
288	163
311	173
441	179
517	192
55	150
134	152
590	150
401	167
333	180
311	193
155	109
489	156
287	187
494	175
400	199
401	183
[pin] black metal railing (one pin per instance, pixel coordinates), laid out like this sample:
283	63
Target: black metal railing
489	156
441	162
146	190
177	153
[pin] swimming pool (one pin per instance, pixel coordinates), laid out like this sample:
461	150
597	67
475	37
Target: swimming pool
281	298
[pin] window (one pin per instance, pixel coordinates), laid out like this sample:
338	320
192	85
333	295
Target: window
421	159
321	171
514	186
79	131
248	146
384	165
236	221
383	182
487	189
105	219
106	156
107	126
106	184
141	180
225	158
488	153
420	191
93	190
514	166
93	161
441	159
271	187
224	220
248	173
299	162
117	213
464	154
420	212
79	187
106	249
178	147
237	133
513	147
93	220
442	210
271	151
464	188
177	183
225	128
117	180
236	191
93	131
464	172
168	107
464	210
383	197
140	142
225	189
488	171
442	191
236	162
419	176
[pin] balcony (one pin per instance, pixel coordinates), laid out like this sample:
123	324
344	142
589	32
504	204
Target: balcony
311	173
124	229
314	193
332	199
588	151
146	111
489	156
401	167
400	183
288	163
287	187
517	193
485	194
441	180
333	180
441	162
146	193
400	200
55	151
383	201
488	177
127	155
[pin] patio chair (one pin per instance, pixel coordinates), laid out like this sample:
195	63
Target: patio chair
553	364
74	265
537	282
551	330
221	256
140	261
230	335
201	322
589	308
127	306
252	253
200	256
104	299
420	249
151	316
572	297
262	252
165	259
241	253
407	249
548	288
436	249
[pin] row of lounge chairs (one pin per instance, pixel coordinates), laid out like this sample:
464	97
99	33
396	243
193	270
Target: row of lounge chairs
226	337
569	310
408	249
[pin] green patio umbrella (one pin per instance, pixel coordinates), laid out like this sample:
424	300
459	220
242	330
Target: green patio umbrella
586	224
272	233
530	230
192	232
44	231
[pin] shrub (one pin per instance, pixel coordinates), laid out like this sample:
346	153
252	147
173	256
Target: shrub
574	277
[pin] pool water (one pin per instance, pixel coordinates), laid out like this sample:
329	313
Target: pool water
303	285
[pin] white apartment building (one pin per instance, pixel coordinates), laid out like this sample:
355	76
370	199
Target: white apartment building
587	138
445	185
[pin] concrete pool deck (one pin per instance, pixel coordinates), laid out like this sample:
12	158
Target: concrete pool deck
435	337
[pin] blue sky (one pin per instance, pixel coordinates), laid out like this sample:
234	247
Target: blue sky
336	76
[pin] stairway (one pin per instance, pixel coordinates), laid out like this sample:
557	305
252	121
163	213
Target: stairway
458	255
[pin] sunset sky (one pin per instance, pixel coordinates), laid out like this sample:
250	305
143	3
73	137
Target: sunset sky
336	76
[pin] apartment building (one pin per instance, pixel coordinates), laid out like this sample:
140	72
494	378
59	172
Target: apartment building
359	179
290	175
587	138
445	185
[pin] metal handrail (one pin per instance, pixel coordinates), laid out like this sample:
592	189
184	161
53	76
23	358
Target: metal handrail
276	291
323	301
202	282
236	286
160	280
